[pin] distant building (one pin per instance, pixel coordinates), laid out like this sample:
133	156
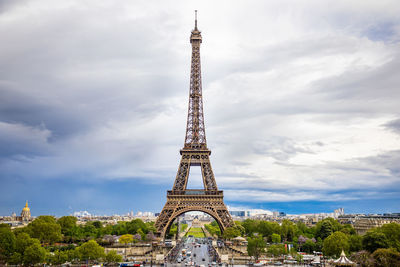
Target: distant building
26	213
239	213
363	224
338	212
82	214
196	223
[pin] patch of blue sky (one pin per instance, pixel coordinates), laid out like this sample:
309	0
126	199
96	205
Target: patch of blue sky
384	31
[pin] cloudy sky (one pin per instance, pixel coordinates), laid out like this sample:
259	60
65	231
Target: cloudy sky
301	102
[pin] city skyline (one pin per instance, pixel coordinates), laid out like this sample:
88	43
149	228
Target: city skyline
300	103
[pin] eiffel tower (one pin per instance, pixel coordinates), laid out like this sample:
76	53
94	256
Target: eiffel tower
180	200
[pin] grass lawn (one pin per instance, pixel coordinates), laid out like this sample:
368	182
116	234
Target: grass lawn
196	232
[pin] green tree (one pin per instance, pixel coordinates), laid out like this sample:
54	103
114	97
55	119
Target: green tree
392	233
47	218
97	224
239	226
348	229
325	230
288	230
119	229
309	246
150	227
126	239
67	224
302	228
7	243
326	227
34	254
355	242
73	255
275	238
255	246
113	257
213	228
373	240
231	232
90	251
23	241
15	259
250	226
133	226
335	243
319	244
277	250
46	229
20	230
89	230
264	228
386	257
59	257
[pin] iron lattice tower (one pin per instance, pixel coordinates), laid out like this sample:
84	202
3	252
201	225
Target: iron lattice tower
194	153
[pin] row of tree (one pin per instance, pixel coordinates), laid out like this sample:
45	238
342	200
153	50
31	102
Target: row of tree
381	257
74	233
46	239
328	236
49	230
19	247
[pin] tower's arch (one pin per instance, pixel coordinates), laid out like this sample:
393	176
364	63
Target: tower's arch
186	210
209	202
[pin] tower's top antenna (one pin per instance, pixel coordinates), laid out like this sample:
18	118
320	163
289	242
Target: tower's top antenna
195	19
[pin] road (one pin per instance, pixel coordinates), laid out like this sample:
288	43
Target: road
196	254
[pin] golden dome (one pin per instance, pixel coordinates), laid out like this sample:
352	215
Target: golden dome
26	208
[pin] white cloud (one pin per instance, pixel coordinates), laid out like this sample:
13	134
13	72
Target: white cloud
297	96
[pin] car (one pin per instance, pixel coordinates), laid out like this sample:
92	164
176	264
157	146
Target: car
203	259
194	254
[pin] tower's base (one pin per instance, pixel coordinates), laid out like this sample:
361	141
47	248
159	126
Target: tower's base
179	202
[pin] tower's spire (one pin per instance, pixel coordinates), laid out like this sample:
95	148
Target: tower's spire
195	19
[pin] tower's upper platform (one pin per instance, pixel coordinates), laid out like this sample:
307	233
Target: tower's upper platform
196	34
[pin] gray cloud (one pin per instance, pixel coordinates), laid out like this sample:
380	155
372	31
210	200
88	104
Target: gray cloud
393	125
296	97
